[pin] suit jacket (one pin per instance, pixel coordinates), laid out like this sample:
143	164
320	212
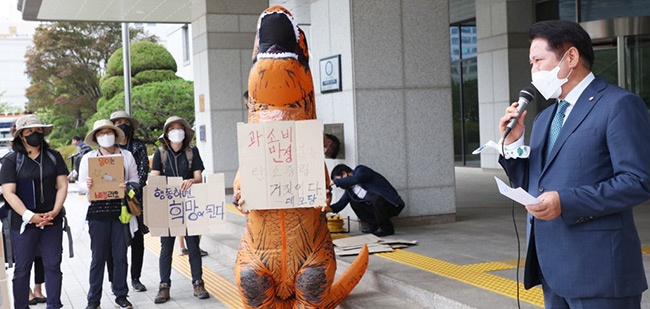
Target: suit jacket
600	167
369	180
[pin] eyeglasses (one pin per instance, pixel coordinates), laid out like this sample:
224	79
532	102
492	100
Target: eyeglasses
102	133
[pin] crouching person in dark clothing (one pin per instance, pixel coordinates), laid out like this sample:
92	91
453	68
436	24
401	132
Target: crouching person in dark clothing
373	199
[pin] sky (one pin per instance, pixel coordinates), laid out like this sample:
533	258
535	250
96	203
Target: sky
9	11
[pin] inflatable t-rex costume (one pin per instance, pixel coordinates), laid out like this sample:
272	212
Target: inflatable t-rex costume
286	256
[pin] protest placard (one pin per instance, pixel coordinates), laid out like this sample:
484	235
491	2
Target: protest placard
281	164
107	173
168	211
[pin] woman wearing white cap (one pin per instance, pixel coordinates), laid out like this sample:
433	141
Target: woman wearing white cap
34	183
177	158
108	220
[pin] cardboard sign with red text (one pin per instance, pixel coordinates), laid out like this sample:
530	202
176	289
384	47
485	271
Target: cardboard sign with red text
281	164
107	173
168	211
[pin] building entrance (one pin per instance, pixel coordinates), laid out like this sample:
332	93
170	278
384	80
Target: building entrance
622	51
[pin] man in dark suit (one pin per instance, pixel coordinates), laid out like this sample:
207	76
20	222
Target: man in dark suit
589	166
373	199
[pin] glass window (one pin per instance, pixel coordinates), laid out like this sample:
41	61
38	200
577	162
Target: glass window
464	94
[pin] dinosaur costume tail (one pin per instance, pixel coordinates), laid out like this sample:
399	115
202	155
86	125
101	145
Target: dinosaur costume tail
346	282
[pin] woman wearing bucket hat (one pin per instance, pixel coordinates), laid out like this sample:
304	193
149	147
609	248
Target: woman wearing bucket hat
176	158
34	183
108	220
129	125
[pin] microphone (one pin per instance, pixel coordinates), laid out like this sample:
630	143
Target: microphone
526	95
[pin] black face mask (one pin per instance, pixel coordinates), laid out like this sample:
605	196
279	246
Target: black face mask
126	129
35	139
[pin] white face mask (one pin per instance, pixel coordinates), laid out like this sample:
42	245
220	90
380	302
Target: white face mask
547	82
106	140
176	135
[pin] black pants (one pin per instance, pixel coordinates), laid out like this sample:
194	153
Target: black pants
376	211
137	257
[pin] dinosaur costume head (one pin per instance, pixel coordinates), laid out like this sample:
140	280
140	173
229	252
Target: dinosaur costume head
280	85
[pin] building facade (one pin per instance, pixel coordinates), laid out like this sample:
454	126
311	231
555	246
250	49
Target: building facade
423	82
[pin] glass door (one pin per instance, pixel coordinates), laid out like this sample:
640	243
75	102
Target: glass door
637	65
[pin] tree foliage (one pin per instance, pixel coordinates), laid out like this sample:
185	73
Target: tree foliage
152	104
144	56
157	93
65	65
8	108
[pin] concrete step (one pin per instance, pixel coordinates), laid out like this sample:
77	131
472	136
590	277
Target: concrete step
377	289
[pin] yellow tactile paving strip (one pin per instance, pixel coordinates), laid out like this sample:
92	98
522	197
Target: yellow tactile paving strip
474	274
218	287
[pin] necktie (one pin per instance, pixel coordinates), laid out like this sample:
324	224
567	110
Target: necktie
556	126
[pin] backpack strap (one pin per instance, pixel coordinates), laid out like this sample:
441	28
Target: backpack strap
163	159
189	154
6	236
20	159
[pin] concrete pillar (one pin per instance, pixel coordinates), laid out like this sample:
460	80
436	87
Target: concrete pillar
503	67
223	33
396	100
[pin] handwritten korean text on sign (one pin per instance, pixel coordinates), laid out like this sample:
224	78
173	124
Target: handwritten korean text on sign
170	211
107	173
281	164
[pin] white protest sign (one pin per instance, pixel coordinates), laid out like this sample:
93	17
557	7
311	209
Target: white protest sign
281	164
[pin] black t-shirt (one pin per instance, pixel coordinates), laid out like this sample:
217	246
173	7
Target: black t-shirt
177	164
30	171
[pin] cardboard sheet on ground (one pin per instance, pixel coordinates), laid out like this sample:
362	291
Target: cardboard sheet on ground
107	174
352	245
281	164
168	211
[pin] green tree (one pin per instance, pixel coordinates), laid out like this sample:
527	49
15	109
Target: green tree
157	93
65	65
152	104
6	107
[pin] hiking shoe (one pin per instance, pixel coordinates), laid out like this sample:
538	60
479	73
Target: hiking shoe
138	286
163	294
93	305
122	302
199	290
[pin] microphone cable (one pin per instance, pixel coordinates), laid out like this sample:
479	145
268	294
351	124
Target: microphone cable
514	223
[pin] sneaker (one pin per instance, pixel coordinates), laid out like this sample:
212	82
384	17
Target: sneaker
93	305
203	252
163	294
199	290
138	286
122	302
